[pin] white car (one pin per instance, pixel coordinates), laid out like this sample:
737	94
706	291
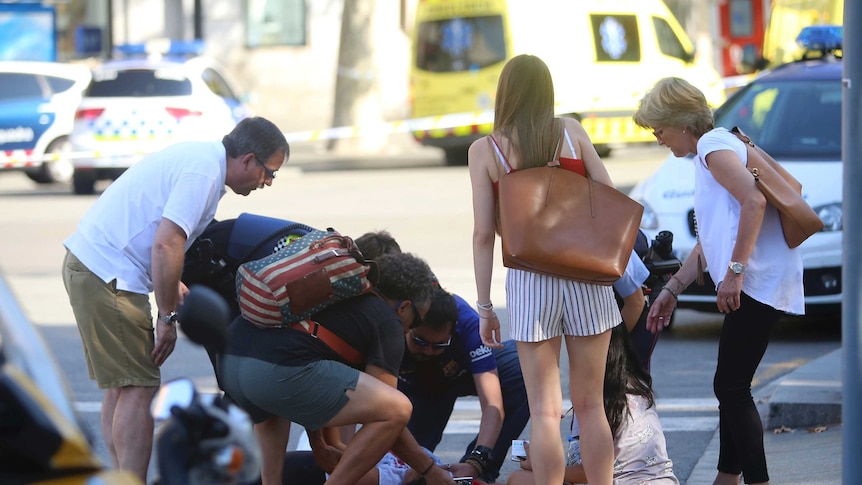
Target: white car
37	110
794	113
143	103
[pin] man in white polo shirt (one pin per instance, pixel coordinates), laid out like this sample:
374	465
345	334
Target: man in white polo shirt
132	242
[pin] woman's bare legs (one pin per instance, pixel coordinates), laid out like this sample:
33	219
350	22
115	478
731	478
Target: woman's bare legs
540	365
587	358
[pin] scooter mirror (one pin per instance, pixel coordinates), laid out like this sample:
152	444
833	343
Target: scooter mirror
204	316
179	392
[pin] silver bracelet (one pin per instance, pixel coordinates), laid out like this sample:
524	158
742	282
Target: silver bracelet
485	306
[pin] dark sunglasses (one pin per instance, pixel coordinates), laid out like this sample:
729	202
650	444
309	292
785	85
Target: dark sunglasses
269	173
422	343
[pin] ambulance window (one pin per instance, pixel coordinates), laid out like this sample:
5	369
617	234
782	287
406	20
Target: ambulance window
460	44
139	82
616	38
19	86
668	43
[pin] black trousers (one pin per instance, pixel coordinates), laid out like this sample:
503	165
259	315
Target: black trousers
744	338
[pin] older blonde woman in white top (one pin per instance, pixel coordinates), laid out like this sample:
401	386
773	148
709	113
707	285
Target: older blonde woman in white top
758	277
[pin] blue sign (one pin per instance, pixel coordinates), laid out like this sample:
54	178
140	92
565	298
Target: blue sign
88	40
27	32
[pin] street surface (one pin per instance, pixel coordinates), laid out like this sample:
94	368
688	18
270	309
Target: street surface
427	207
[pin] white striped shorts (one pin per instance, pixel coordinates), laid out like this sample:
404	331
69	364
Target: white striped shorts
542	307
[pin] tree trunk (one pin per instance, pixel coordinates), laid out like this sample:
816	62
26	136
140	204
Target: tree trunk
357	101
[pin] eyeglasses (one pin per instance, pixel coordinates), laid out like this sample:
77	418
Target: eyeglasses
658	133
422	343
270	174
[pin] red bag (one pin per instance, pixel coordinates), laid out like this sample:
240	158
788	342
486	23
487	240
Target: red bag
301	279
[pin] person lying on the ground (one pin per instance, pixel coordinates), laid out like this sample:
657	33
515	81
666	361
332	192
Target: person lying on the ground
302	468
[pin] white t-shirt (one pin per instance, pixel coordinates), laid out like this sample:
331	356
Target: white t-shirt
182	183
773	274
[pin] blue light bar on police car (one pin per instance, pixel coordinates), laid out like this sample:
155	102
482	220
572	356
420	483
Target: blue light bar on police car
821	37
163	47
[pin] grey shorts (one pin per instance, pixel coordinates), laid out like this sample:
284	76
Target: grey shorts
116	328
309	395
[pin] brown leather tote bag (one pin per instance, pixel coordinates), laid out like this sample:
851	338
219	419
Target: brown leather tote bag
783	191
557	222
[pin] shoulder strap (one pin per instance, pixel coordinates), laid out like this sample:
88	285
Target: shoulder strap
555	162
569	140
761	159
500	156
333	341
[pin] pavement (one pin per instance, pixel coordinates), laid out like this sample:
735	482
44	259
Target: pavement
801	414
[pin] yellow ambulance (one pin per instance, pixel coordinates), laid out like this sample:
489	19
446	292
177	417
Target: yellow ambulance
603	55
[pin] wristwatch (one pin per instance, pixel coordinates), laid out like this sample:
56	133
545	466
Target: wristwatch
736	267
170	319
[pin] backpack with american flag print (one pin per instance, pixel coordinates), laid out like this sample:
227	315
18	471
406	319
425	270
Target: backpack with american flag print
304	277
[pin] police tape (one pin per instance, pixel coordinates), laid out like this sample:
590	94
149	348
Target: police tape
427	127
601	128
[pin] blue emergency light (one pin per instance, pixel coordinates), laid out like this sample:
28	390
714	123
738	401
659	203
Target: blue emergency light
825	38
176	48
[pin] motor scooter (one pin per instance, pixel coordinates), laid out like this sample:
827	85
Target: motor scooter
203	441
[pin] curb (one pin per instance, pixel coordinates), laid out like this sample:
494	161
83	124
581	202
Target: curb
809	396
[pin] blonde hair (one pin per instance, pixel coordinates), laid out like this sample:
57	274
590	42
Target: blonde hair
674	101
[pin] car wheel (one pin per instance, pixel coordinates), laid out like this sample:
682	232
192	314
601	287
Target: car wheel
456	157
84	182
57	170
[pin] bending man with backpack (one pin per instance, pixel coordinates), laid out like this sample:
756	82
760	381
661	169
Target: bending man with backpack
283	375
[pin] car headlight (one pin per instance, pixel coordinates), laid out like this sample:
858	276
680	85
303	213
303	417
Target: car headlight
649	219
832	216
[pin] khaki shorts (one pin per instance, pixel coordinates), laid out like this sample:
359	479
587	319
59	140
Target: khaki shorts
116	328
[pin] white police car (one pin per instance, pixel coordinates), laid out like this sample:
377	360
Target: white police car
37	110
794	113
153	97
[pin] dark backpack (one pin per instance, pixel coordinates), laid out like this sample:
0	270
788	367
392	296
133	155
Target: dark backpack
214	257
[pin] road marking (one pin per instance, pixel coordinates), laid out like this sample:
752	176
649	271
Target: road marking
668	424
466	414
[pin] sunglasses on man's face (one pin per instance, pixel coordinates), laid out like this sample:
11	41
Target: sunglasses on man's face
423	343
